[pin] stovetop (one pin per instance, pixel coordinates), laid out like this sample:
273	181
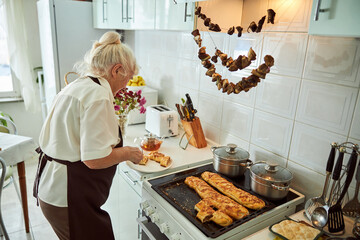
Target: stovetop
173	189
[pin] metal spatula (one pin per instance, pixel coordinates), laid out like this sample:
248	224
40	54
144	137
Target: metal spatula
336	218
352	208
315	202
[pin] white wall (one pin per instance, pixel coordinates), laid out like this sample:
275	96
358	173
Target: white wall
28	124
309	99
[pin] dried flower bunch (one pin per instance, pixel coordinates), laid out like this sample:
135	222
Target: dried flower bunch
126	101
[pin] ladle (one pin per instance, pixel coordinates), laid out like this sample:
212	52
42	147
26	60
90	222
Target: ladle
319	217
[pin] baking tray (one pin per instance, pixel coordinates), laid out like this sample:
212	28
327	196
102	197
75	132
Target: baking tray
173	189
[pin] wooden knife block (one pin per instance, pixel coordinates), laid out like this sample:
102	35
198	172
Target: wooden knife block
194	129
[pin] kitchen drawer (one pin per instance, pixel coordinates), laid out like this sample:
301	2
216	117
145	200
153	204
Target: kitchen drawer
130	177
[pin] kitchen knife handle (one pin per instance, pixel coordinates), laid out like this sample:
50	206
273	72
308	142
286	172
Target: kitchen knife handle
179	111
349	177
338	166
331	159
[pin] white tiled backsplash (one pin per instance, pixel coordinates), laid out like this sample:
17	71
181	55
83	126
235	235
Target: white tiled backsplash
308	100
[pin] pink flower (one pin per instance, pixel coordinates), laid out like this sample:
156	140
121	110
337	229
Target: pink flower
117	107
142	109
138	92
142	101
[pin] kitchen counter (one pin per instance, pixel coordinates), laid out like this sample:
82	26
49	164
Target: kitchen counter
265	233
182	159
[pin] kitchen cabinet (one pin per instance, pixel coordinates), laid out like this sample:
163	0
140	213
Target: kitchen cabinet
141	15
124	14
291	16
123	207
225	13
335	18
174	16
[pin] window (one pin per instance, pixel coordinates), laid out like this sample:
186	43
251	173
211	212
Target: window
8	87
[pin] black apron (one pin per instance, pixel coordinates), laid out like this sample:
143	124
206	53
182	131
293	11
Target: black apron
87	190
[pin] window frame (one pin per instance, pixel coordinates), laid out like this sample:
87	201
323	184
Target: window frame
15	93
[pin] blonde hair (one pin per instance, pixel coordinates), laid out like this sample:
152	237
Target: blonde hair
104	54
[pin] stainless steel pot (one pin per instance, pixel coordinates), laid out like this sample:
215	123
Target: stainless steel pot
230	160
270	180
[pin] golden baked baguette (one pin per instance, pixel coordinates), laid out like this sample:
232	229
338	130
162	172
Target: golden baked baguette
244	198
217	200
156	156
165	161
221	218
144	160
205	211
295	230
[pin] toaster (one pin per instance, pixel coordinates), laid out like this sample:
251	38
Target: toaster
161	121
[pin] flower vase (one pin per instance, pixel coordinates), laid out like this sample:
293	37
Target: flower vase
123	123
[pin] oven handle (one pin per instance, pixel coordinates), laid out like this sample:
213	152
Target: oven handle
127	175
141	222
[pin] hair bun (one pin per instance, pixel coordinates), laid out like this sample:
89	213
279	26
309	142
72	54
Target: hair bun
110	38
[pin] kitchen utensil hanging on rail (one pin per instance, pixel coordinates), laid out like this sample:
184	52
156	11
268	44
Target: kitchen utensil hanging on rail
352	208
191	124
315	202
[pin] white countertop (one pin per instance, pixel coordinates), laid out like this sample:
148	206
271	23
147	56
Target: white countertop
265	233
182	159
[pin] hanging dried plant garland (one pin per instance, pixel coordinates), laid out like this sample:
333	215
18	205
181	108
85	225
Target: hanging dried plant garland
233	65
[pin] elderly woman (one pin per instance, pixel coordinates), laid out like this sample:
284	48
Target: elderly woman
81	144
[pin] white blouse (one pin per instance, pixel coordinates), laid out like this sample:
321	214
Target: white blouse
81	125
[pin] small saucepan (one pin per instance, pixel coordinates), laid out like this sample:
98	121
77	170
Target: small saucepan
270	180
230	160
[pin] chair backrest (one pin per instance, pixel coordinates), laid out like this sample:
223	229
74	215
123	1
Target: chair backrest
10	128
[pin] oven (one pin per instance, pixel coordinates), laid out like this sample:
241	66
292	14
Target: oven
168	209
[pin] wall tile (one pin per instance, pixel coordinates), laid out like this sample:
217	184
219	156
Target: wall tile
310	146
355	126
258	154
188	73
237	120
227	138
206	83
210	131
245	98
339	65
291	16
212	40
210	109
278	95
172	43
303	177
288	50
327	106
240	46
271	132
189	48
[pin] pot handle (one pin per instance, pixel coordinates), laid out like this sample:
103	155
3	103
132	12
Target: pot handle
214	148
280	188
248	163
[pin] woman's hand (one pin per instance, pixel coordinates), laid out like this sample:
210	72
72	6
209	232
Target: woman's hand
134	154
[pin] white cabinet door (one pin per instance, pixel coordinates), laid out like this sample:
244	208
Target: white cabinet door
171	16
123	206
109	14
141	14
335	18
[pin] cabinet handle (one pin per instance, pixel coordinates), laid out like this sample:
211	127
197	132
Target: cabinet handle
317	10
128	176
186	15
122	11
104	8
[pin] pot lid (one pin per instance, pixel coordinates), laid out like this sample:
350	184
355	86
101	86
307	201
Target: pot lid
231	152
271	172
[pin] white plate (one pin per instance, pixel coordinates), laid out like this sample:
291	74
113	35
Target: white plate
150	167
